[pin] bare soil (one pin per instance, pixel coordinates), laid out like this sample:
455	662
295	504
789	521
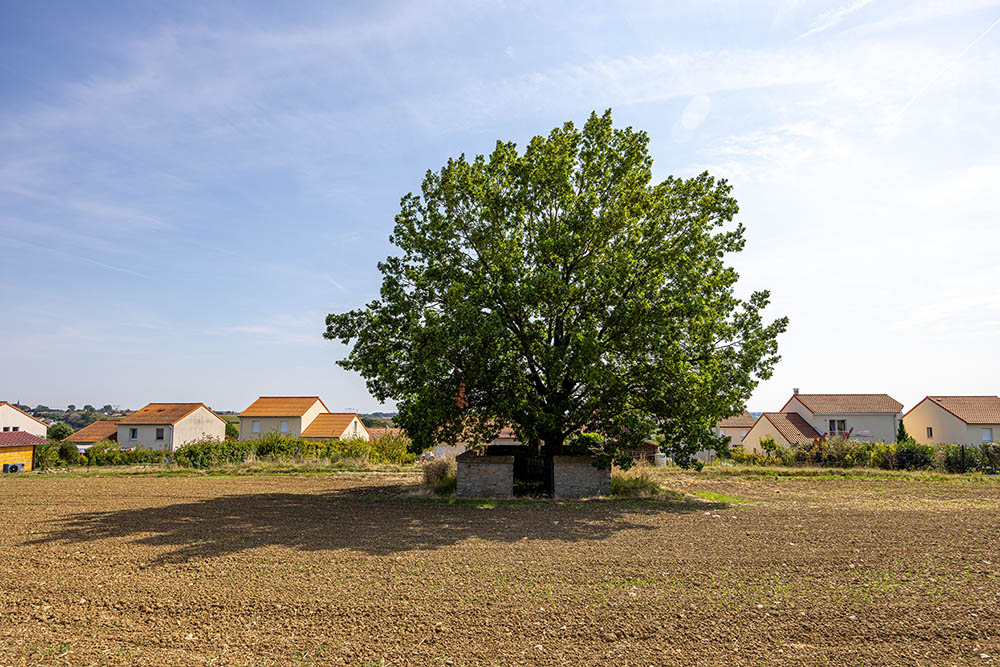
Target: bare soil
279	570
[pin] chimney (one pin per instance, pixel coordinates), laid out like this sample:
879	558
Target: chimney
795	392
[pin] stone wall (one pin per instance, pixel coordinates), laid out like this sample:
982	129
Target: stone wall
484	476
576	477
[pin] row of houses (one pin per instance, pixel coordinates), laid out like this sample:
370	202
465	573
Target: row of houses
935	420
804	417
168	426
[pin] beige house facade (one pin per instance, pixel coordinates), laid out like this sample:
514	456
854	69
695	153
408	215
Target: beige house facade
168	426
736	427
871	417
287	415
13	419
960	420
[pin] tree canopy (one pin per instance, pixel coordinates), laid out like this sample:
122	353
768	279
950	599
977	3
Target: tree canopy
60	431
560	290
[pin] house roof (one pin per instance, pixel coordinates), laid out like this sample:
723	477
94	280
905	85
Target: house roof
165	413
329	425
19	438
738	421
24	413
102	429
847	403
970	409
282	406
791	426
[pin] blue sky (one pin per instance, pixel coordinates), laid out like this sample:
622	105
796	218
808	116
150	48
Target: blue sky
186	190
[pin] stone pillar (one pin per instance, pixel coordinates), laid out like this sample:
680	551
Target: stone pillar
576	477
484	476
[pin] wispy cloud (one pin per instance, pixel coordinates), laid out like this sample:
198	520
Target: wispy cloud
827	20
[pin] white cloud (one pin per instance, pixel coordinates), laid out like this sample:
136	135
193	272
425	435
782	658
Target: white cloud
827	20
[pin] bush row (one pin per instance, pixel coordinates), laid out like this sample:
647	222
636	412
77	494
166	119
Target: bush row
906	455
209	453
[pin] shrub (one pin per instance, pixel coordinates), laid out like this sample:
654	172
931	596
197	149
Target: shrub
46	455
275	445
208	453
636	482
441	475
961	458
991	456
392	448
352	448
913	456
69	453
105	453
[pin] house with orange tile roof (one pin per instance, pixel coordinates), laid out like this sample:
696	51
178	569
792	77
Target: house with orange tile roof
736	427
961	420
787	429
336	426
13	419
871	417
102	429
288	415
168	426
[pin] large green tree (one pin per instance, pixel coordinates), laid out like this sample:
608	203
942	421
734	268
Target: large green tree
561	290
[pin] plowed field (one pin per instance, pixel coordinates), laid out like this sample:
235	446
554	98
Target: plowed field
279	570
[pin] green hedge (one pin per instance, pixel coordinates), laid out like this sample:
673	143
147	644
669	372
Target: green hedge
108	453
907	455
210	453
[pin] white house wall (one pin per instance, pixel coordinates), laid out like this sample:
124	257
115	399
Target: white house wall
11	417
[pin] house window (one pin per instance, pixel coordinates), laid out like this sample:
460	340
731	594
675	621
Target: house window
256	426
159	434
284	426
838	426
930	432
6	428
987	435
133	434
16	428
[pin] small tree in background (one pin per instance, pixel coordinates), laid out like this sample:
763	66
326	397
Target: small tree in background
69	453
60	431
232	430
901	434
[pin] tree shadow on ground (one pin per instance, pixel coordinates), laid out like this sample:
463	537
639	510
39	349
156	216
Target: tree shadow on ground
376	520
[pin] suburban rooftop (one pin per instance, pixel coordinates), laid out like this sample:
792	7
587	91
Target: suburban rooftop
282	406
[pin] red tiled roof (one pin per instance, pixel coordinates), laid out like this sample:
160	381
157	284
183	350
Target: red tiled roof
103	429
744	420
329	425
16	438
24	413
791	426
282	406
970	409
165	413
848	403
